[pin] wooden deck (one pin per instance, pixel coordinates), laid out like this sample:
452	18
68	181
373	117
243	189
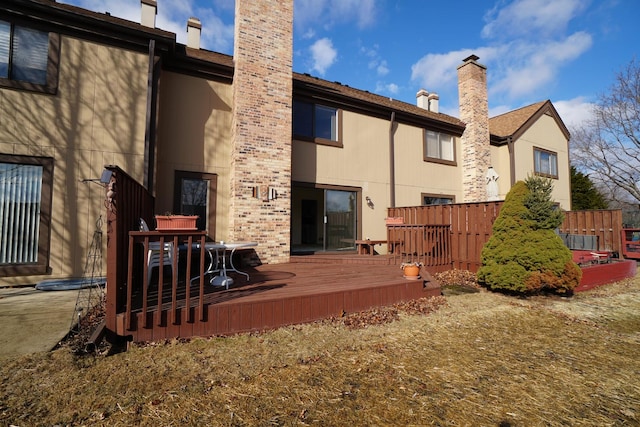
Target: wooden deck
276	295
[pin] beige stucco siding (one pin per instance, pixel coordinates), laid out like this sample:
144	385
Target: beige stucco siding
96	118
363	162
415	176
545	134
502	166
194	134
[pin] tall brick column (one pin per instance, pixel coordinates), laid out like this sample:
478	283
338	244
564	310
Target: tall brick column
262	114
474	111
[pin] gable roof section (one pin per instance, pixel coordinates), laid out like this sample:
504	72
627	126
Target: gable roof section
513	124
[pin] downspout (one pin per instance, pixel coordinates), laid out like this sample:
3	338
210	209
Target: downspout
150	120
392	167
512	162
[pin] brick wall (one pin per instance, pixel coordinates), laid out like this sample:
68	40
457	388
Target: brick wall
474	111
262	112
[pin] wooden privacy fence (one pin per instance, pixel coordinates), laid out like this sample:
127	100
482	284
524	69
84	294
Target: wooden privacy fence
471	226
605	224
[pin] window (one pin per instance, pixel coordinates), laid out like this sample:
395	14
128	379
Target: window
28	58
317	123
428	199
545	163
25	213
439	146
195	194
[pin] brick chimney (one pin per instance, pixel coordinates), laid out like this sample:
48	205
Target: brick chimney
474	111
260	174
194	28
149	10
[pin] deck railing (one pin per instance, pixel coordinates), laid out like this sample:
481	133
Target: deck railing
151	293
126	202
429	244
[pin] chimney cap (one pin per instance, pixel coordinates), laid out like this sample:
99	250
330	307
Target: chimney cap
194	22
471	58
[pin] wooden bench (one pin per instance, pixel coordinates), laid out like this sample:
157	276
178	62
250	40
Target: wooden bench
366	247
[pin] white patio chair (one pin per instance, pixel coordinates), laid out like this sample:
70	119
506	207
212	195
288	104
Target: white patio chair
153	255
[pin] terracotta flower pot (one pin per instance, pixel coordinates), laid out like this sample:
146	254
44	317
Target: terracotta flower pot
411	271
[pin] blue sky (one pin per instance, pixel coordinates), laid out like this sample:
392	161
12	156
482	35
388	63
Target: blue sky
568	51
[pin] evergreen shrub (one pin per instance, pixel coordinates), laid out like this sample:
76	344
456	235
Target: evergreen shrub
524	255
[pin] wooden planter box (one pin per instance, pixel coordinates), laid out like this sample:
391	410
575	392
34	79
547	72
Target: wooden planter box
394	220
176	222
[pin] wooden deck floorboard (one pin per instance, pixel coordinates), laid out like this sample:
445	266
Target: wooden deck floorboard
277	295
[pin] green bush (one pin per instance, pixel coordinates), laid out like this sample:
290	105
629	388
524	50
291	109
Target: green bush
524	254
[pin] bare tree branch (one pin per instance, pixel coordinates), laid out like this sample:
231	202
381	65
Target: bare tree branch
608	147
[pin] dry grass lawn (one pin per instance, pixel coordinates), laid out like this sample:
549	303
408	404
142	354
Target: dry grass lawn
483	359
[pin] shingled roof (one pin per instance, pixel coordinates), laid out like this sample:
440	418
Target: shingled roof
514	123
340	90
204	62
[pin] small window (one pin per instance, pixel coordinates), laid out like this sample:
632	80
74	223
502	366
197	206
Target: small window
25	214
545	163
28	58
428	199
317	123
439	147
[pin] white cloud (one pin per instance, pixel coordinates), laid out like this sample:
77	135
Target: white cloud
437	72
375	61
387	88
574	112
216	35
323	55
544	18
362	11
329	13
518	69
382	69
309	34
531	67
499	109
306	12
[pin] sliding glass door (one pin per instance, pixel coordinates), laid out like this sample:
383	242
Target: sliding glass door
340	220
324	218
